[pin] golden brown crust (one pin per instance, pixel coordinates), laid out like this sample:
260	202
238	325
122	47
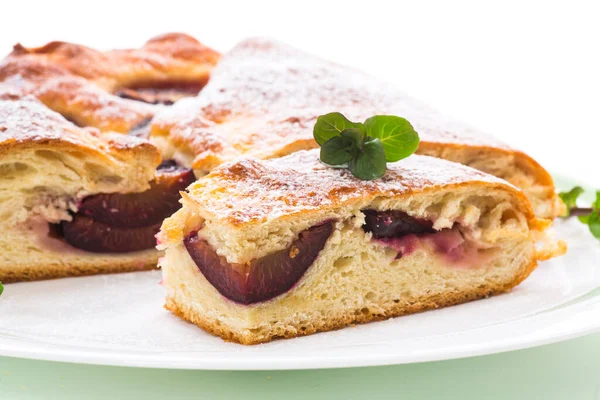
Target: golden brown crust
28	124
271	91
390	310
252	191
264	98
79	82
36	272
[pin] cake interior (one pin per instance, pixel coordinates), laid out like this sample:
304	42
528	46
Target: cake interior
472	247
64	213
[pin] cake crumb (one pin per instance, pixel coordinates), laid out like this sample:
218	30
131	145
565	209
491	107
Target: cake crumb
294	252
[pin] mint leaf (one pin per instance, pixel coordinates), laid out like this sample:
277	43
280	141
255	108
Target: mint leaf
584	219
570	198
370	162
596	204
331	125
1	288
354	134
397	135
364	148
587	216
337	150
594	223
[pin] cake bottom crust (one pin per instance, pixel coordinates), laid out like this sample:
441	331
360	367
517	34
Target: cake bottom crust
176	304
91	265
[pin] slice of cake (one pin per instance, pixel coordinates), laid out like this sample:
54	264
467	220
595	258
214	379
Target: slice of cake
114	91
289	247
76	198
74	201
264	98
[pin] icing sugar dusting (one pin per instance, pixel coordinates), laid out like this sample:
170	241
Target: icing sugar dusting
249	190
264	97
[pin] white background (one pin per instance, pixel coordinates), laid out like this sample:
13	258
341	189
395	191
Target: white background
527	72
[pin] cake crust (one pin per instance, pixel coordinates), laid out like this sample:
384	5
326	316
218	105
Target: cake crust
264	98
134	262
80	83
27	124
251	191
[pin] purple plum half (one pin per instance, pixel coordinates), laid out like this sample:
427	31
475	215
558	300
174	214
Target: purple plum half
121	223
134	210
142	129
387	224
264	278
93	236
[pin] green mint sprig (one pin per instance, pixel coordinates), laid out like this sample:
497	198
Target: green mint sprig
570	198
364	148
1	288
587	215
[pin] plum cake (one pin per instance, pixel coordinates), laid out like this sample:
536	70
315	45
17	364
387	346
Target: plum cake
74	201
285	247
117	90
77	194
264	98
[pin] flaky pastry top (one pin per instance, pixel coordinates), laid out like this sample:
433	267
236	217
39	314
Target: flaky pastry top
250	191
81	83
28	124
264	97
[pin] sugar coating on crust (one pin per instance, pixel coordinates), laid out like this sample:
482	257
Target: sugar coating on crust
251	190
27	122
264	98
79	82
249	208
276	93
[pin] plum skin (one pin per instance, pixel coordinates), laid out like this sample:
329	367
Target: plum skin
264	278
122	223
403	233
93	236
166	93
394	223
396	229
134	210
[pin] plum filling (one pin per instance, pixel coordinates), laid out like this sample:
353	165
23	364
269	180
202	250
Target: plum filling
405	234
120	223
448	242
166	93
135	210
87	234
263	278
142	129
394	224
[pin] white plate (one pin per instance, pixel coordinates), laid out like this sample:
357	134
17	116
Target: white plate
119	320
